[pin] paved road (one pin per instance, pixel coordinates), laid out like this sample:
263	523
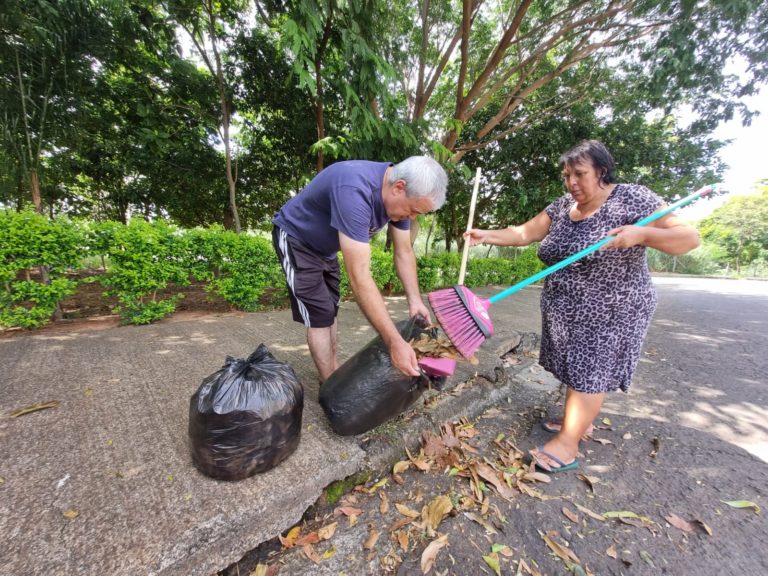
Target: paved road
691	436
706	360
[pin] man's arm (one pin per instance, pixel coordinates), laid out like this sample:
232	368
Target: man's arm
405	265
357	261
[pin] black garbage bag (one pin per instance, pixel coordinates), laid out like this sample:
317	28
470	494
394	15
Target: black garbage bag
245	418
367	390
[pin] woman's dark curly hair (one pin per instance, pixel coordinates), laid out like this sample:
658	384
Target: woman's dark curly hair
594	152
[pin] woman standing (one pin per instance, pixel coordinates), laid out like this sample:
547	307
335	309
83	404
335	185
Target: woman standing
594	313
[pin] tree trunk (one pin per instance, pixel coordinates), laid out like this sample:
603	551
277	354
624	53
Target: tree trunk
34	183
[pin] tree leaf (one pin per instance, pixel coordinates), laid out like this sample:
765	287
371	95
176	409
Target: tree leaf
71	514
328	554
612	552
430	552
742	504
493	562
384	505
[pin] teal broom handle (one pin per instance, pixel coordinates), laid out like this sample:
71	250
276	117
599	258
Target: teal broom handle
579	255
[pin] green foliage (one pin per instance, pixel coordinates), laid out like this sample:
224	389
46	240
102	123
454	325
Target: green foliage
32	245
740	228
248	268
145	260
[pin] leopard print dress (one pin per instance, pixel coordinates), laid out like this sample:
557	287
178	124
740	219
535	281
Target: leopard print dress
595	312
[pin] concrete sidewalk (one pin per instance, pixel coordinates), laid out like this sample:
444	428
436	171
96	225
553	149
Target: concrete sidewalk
104	484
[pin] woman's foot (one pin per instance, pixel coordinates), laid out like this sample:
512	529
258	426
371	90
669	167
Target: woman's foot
556	425
554	457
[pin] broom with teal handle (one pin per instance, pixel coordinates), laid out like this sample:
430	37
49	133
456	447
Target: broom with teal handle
464	316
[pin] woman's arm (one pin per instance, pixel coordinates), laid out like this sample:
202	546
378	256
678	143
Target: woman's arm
668	234
532	231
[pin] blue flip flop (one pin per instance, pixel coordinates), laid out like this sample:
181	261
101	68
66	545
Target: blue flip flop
561	466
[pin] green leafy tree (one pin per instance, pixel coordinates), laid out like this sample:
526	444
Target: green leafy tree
740	227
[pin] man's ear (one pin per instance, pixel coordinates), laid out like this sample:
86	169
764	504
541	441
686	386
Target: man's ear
399	186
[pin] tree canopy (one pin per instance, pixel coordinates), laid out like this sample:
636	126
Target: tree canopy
216	112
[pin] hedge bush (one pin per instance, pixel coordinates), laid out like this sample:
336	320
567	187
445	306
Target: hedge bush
35	253
146	263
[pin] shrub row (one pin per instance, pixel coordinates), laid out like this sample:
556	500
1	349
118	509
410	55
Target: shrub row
146	263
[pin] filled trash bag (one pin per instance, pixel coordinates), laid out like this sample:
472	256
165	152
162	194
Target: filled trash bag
245	418
367	390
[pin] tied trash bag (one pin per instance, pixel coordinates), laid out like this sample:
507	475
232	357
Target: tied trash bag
367	390
245	418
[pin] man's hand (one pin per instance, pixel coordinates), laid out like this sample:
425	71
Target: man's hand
417	308
404	358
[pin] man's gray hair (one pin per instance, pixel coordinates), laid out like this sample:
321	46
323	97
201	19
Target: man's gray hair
424	177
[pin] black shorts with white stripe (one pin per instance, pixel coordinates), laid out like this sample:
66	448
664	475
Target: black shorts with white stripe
313	281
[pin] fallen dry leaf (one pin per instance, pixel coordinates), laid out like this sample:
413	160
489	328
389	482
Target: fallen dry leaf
311	553
34	408
327	532
493	477
401	466
537	477
589	480
403	540
704	527
430	552
347	511
588	512
602	441
405	511
289	540
373	536
438	509
571	515
384	505
563	552
311	538
679	523
260	570
489	529
71	514
612	552
400	523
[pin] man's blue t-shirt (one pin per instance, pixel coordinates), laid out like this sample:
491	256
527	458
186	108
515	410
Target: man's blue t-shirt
344	197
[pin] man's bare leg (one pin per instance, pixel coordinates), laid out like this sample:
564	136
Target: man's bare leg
322	347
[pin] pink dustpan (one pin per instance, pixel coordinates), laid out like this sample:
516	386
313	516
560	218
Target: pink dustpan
438	366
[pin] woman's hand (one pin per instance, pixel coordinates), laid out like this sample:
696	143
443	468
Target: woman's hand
627	236
476	236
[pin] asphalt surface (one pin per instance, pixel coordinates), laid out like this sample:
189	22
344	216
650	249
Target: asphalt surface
658	473
103	482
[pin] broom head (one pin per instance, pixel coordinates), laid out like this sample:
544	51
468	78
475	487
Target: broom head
463	317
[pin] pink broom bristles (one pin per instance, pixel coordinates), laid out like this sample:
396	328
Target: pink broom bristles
463	317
